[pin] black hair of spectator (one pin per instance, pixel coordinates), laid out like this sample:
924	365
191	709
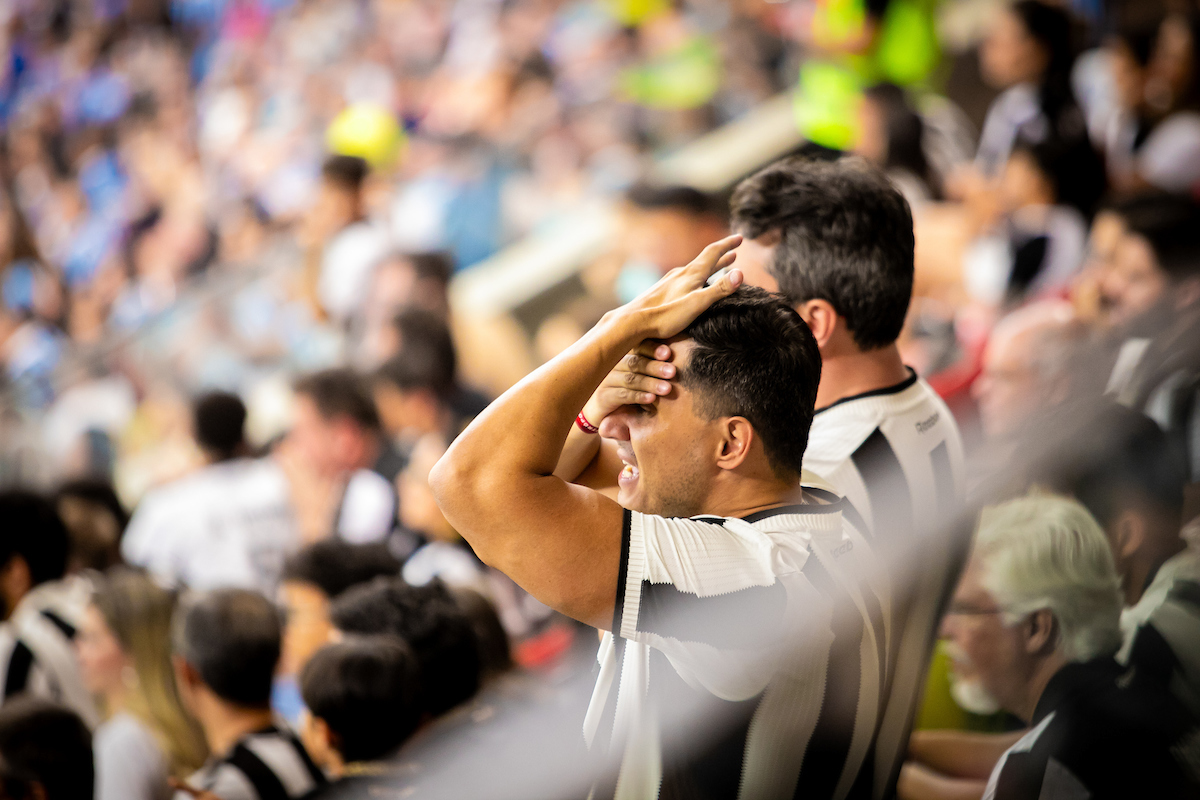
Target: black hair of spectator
345	172
1139	36
495	650
753	356
340	393
651	197
31	528
1110	457
1171	225
433	625
99	492
231	637
434	265
47	744
1073	168
219	422
427	357
1051	27
366	690
334	565
905	134
846	237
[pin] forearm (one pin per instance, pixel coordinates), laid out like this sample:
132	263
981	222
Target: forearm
921	783
961	754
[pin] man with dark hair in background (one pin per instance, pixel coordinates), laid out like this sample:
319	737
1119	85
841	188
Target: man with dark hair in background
836	239
344	245
337	437
429	620
228	523
226	647
362	696
37	655
736	662
45	752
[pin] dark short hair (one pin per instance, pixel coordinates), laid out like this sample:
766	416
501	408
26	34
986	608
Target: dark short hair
432	265
846	238
433	625
347	172
219	420
340	393
427	357
652	197
31	528
753	356
365	688
334	565
1071	166
231	637
1114	457
41	742
1171	225
495	650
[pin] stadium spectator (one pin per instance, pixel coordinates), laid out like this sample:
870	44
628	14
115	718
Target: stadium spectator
1027	367
836	240
1153	142
1036	616
95	520
226	648
891	136
45	752
662	584
400	282
41	611
229	523
362	698
312	579
337	459
495	649
350	245
431	623
124	647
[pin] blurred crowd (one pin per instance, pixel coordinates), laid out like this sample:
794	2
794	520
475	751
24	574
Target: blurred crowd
228	236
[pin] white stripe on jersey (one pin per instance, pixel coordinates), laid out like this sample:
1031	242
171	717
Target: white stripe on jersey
778	621
896	455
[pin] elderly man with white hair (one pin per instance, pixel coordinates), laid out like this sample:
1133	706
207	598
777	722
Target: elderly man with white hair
1036	619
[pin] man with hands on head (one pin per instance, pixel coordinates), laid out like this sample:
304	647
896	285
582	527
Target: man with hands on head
739	605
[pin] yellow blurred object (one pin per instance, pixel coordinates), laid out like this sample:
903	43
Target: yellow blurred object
826	103
368	131
938	710
632	13
687	77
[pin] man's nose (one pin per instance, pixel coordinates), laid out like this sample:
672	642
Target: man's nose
616	425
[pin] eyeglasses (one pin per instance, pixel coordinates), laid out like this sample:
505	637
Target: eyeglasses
971	610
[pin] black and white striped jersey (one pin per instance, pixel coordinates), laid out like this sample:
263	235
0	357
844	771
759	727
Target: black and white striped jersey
37	652
897	457
748	657
270	764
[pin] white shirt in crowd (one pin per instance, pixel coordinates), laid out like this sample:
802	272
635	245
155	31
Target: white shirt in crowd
232	524
346	267
130	764
732	621
1016	111
1168	159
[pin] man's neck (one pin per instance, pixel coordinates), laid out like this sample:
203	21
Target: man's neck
851	372
1142	572
224	724
1036	685
747	496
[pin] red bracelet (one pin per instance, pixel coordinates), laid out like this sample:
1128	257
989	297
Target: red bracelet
584	425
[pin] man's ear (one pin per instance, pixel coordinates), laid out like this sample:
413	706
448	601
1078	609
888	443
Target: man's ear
822	320
1041	631
1128	535
737	437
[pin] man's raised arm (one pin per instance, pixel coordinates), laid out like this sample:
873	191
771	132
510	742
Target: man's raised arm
497	484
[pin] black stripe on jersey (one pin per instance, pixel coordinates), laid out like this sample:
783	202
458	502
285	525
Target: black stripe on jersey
893	389
622	572
267	785
749	618
797	508
826	755
943	481
20	662
887	488
68	630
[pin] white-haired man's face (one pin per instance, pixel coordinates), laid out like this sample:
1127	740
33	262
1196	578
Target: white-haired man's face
991	660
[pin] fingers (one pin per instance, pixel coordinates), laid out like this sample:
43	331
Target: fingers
639	364
710	258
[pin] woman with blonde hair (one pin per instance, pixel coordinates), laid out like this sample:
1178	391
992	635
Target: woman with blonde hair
124	648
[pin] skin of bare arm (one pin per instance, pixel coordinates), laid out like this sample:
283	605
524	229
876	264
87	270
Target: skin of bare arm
497	484
960	754
918	782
